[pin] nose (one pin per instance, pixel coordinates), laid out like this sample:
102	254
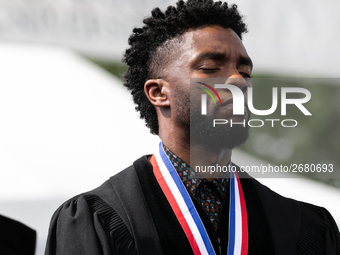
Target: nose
239	81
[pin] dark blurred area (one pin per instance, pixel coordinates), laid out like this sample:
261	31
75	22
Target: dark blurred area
16	238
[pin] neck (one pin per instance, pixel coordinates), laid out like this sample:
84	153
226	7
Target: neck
196	155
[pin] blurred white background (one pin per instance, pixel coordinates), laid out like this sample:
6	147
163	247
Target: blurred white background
66	125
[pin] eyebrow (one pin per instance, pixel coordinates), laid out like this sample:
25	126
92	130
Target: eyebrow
246	61
218	56
210	55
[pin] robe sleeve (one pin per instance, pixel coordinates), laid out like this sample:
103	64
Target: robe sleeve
319	233
74	229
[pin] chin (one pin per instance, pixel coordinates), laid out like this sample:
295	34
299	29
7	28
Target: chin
219	137
223	136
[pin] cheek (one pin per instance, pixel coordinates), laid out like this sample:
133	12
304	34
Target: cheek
180	98
211	107
249	85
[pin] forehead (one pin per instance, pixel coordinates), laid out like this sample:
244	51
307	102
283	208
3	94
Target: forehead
213	38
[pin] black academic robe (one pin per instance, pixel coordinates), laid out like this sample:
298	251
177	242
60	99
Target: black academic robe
129	214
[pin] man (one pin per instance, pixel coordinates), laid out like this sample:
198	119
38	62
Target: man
157	206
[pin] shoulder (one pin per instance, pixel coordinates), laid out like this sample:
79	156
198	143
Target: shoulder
303	209
311	227
108	194
318	231
97	201
91	222
306	210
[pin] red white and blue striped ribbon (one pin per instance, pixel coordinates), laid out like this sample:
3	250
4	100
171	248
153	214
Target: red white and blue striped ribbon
186	213
238	221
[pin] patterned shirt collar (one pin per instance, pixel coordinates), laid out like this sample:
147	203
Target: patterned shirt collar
188	176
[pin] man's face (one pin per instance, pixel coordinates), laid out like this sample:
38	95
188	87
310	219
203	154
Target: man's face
204	53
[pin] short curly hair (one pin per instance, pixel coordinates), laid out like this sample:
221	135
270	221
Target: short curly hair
162	27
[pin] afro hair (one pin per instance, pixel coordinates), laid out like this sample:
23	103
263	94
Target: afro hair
161	27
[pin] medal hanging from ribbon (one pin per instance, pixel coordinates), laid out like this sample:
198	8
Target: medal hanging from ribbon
185	211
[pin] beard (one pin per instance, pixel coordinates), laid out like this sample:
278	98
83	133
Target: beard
222	136
200	128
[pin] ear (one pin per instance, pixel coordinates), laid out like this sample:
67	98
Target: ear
157	91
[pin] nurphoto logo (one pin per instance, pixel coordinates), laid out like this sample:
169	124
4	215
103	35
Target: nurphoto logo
238	103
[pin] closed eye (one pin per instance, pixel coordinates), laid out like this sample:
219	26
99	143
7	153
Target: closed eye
209	70
245	75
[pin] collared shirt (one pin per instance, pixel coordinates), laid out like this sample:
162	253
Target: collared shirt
209	194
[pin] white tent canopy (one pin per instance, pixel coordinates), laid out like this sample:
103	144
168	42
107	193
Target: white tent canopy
62	122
